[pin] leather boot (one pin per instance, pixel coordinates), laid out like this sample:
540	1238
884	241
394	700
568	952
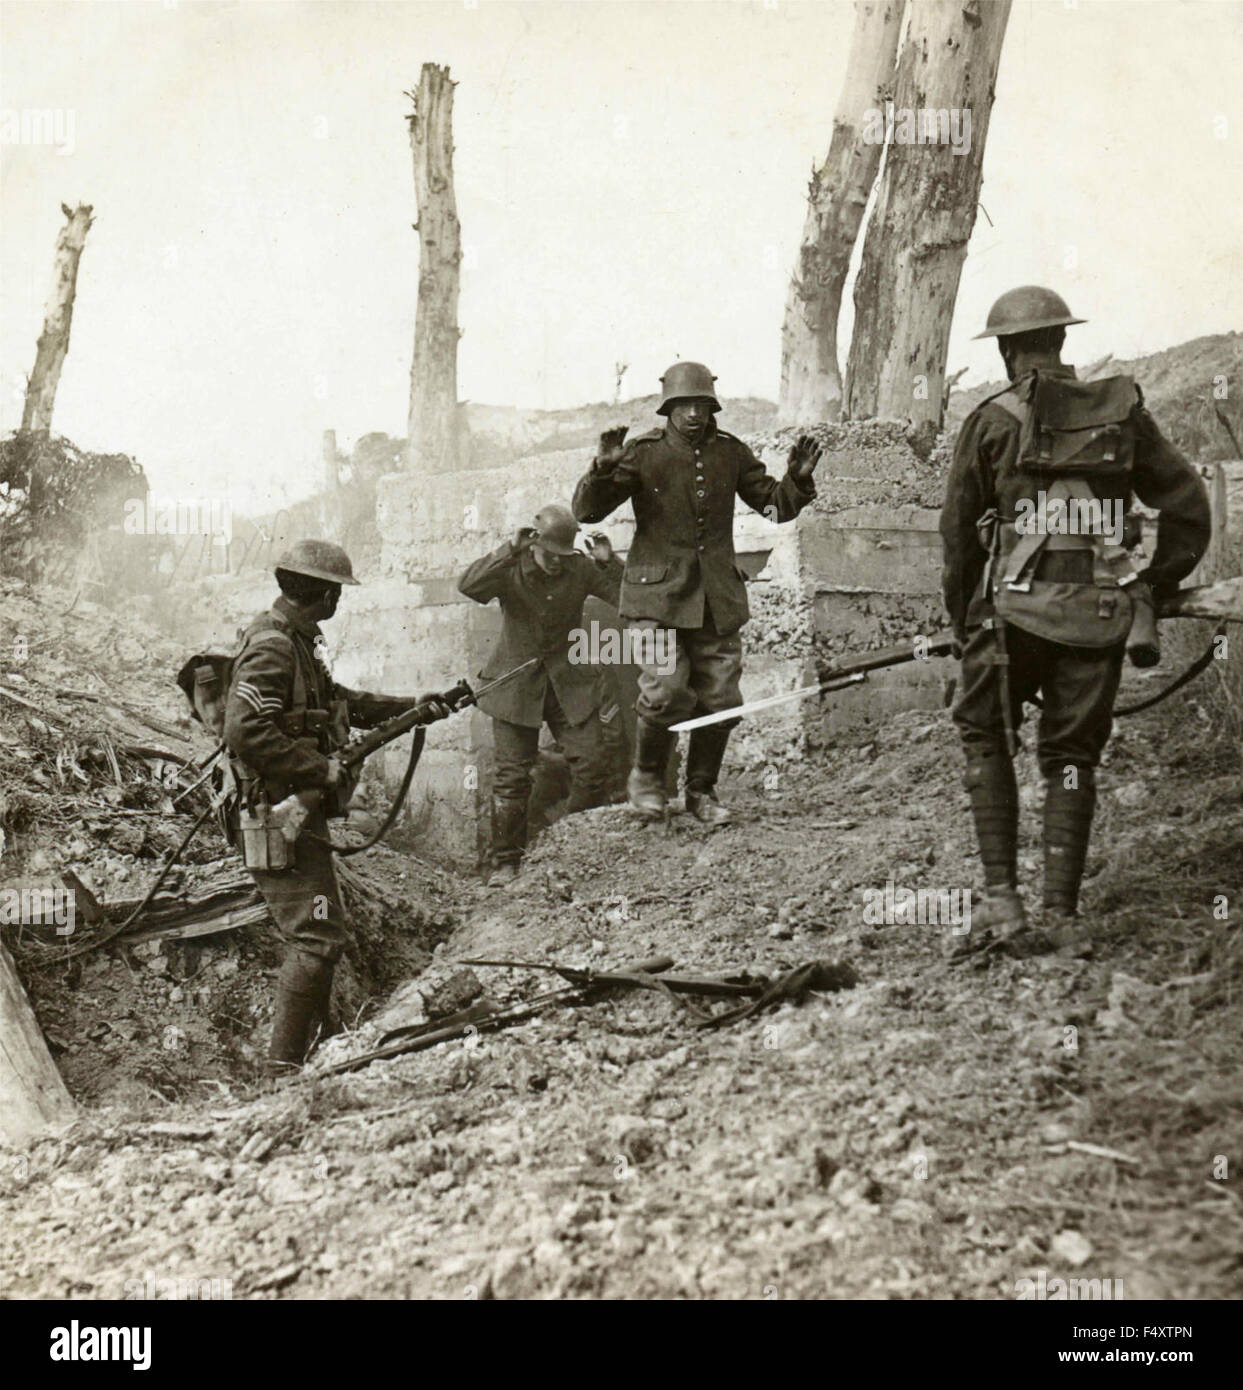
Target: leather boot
998	916
703	767
509	839
1068	816
321	1017
645	787
994	793
298	990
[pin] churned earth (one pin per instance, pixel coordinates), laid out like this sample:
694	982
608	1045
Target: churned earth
935	1132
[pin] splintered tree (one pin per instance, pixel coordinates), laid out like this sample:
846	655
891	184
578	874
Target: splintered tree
811	383
434	415
54	340
925	209
33	1097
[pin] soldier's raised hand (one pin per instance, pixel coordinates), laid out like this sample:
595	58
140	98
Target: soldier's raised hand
599	547
803	457
612	446
523	537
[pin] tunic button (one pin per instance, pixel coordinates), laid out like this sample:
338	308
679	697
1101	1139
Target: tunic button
700	493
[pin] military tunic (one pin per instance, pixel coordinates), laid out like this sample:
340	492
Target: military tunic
682	572
1079	683
541	613
288	747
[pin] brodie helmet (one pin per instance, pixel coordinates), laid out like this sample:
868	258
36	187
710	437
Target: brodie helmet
1026	309
318	560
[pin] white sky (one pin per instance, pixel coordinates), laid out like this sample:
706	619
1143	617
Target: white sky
631	181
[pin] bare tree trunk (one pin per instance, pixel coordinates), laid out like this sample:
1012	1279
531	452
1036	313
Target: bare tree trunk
434	415
54	340
32	1095
917	237
811	383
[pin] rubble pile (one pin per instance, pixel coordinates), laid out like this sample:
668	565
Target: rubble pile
100	781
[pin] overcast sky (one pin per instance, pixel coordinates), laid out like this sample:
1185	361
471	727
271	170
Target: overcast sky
631	181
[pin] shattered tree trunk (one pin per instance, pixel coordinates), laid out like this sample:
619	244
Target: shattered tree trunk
811	382
33	1097
434	415
926	207
54	340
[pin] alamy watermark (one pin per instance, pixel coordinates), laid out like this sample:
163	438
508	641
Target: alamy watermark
182	1288
39	125
1071	516
929	125
1057	1290
656	647
154	515
34	907
892	906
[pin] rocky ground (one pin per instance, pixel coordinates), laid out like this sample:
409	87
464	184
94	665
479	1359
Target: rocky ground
934	1132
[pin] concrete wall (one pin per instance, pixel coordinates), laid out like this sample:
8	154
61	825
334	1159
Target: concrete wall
859	569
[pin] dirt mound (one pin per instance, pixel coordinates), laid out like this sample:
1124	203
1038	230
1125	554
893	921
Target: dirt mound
98	773
935	1132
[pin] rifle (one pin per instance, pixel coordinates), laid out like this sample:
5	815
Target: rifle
291	814
1221	602
835	677
482	1019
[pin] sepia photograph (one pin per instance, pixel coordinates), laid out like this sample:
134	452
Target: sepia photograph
621	668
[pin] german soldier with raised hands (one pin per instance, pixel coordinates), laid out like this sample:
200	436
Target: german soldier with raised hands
682	574
541	582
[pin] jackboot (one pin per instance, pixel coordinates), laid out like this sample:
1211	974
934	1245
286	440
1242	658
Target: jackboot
645	787
299	989
1068	816
994	794
509	839
703	767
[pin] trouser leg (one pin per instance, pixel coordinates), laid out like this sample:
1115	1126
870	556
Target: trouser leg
584	749
715	680
305	903
515	749
1080	687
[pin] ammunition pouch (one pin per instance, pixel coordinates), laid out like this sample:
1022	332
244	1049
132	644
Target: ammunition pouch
261	843
330	728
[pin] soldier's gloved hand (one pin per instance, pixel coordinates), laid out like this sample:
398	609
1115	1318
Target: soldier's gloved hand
612	447
599	547
523	537
803	457
434	705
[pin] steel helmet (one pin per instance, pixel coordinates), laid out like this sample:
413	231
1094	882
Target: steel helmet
318	560
556	529
1025	309
686	379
